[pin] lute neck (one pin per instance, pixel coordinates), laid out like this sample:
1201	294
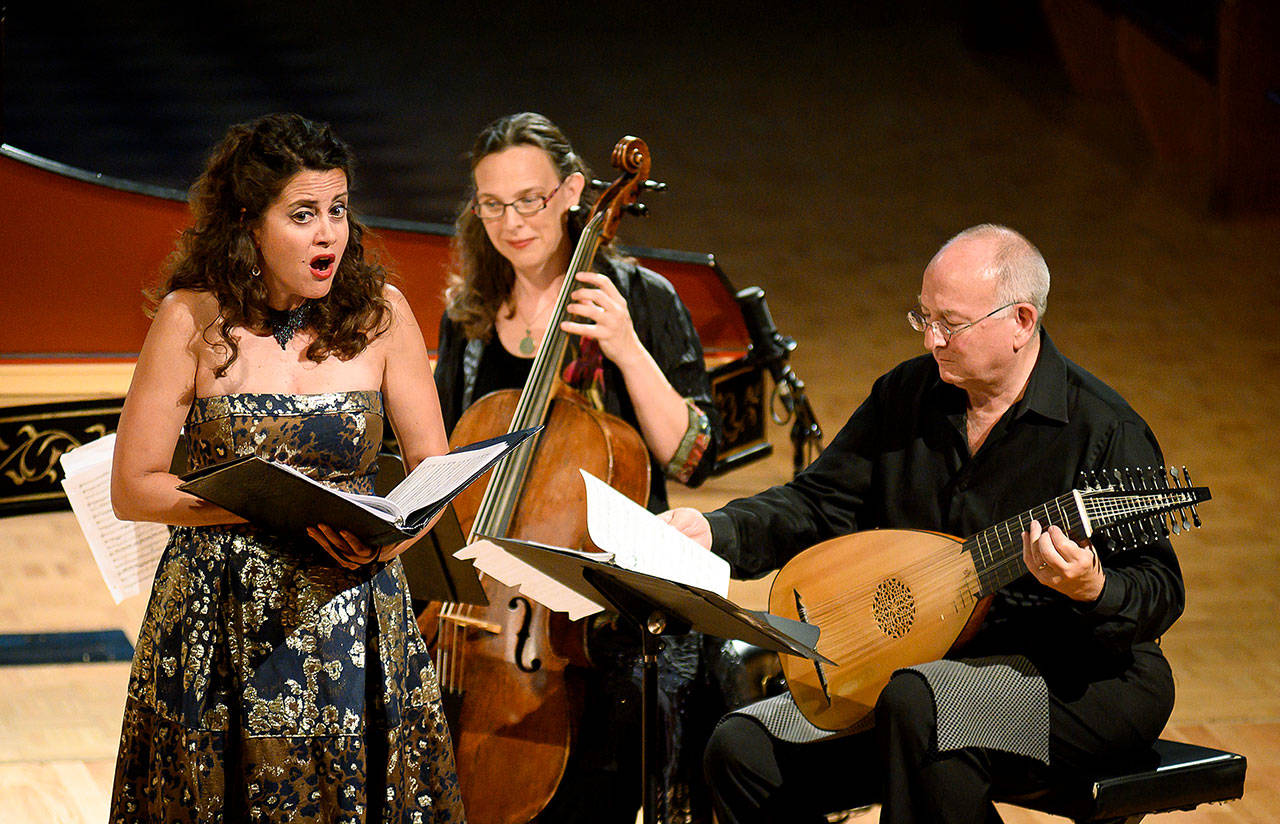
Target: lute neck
997	550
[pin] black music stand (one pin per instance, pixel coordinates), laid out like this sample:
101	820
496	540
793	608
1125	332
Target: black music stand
662	607
430	569
433	574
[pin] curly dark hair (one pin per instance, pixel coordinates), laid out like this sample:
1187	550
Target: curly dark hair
480	278
245	173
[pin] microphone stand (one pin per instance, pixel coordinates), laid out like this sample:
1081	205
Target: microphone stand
771	349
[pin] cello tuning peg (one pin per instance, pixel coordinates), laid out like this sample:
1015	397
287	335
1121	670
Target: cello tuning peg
638	209
649	185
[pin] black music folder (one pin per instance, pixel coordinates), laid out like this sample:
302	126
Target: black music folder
283	500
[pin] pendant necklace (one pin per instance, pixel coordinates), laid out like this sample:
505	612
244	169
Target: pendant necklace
284	323
526	344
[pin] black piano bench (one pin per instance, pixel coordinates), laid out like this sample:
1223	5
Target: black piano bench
1172	776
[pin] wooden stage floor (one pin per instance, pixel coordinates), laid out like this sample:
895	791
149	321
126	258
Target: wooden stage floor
1171	305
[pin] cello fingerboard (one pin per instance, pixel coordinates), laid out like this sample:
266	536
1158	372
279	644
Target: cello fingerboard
503	492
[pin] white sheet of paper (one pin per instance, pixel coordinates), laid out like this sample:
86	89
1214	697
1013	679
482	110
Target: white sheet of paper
509	570
434	477
642	542
126	552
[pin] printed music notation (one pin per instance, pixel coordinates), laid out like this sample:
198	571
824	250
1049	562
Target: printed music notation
126	552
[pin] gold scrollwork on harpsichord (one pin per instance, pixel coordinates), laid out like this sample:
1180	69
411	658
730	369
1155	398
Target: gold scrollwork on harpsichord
34	457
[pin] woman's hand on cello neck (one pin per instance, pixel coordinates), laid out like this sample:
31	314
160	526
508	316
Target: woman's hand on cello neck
660	410
606	319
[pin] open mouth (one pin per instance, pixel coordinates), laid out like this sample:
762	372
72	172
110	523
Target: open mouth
323	264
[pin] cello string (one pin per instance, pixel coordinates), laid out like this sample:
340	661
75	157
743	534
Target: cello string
442	646
503	489
502	493
448	644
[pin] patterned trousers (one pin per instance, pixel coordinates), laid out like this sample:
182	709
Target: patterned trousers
754	777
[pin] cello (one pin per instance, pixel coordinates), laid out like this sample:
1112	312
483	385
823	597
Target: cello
502	668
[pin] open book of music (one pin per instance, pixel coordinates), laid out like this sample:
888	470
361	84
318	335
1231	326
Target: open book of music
632	538
283	500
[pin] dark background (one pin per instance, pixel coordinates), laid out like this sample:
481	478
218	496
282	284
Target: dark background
720	91
822	150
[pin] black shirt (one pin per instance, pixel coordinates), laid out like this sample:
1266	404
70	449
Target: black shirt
902	461
503	370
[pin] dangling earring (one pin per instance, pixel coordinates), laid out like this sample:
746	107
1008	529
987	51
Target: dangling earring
255	271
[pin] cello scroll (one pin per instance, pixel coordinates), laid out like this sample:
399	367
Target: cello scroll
631	157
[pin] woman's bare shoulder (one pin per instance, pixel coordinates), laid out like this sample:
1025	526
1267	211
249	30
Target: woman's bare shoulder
187	305
186	312
401	314
392	295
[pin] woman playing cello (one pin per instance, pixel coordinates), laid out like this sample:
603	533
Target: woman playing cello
639	359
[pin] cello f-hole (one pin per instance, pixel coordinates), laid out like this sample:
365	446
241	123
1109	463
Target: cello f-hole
523	635
515	729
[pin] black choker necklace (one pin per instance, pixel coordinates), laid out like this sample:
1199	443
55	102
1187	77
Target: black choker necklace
285	322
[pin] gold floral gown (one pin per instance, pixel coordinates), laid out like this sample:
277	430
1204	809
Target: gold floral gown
270	684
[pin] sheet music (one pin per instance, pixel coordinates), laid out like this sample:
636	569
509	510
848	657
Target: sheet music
642	542
509	570
630	535
126	552
438	475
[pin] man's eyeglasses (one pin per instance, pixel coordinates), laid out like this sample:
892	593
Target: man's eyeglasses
526	206
920	324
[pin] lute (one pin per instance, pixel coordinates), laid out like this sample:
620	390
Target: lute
891	598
